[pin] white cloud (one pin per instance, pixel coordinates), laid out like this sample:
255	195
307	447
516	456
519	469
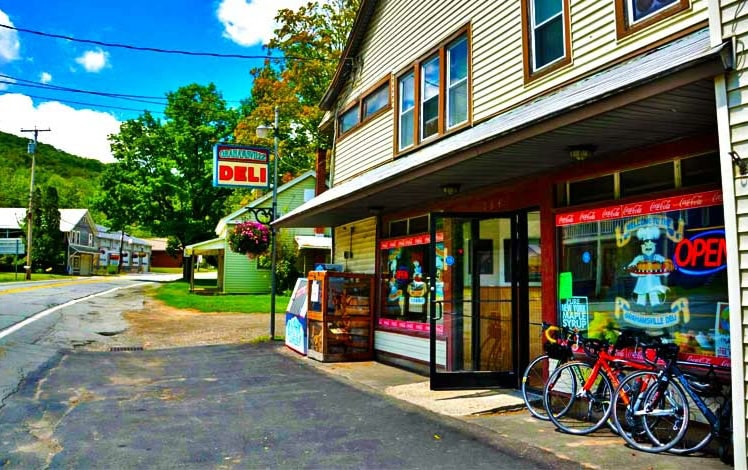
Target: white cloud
45	77
82	132
93	61
9	44
249	22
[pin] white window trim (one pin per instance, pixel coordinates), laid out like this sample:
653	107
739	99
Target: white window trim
534	27
449	86
402	112
630	12
421	101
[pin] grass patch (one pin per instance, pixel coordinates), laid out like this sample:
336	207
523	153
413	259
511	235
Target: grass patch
177	294
166	270
21	276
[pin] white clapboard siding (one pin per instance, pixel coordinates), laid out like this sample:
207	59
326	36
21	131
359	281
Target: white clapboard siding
409	346
734	19
403	31
362	244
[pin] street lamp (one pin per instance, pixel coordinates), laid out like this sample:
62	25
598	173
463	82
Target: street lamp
264	132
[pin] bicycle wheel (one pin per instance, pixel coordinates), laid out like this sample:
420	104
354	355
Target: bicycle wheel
651	415
533	382
571	407
700	433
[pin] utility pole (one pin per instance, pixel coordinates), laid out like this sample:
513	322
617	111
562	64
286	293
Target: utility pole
29	215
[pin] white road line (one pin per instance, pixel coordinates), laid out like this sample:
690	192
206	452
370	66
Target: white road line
44	313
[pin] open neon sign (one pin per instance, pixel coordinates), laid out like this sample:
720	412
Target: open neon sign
702	254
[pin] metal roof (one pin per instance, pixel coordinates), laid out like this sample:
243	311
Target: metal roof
207	247
12	218
662	95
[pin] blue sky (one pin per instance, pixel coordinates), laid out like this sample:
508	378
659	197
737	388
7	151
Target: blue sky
216	26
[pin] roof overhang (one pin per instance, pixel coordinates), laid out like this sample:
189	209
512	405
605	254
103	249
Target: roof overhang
83	249
208	248
663	95
313	242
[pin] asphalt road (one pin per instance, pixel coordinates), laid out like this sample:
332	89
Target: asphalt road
243	406
40	320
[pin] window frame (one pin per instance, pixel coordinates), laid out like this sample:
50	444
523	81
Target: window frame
624	28
415	68
351	108
359	104
528	44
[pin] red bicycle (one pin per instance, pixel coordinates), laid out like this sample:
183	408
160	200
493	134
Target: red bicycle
578	395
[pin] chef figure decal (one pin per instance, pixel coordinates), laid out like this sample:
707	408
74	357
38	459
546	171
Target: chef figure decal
646	308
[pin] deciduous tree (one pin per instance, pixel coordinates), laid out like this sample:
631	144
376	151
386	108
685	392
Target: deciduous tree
162	180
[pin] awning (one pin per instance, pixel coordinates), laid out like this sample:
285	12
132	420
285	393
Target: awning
209	247
83	249
665	94
313	242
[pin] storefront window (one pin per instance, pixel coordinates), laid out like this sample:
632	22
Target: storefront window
656	266
406	267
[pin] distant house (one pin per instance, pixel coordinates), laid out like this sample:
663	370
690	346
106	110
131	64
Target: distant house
238	274
160	258
136	252
81	255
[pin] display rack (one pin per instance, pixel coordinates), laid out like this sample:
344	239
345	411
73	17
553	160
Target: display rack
339	316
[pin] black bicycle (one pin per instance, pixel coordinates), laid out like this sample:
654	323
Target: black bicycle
653	422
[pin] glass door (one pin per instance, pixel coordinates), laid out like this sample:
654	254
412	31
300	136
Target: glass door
480	307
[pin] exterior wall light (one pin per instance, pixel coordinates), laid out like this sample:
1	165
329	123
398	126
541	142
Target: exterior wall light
450	189
581	152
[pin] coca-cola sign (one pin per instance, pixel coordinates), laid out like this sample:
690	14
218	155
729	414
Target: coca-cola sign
688	201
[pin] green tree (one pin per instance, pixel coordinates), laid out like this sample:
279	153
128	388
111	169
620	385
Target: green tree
162	180
47	243
312	40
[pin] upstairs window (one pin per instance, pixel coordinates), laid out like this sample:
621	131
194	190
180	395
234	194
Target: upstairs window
376	101
406	105
430	88
546	35
371	103
434	93
634	15
457	83
348	120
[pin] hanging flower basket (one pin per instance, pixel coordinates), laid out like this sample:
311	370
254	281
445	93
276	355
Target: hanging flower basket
250	238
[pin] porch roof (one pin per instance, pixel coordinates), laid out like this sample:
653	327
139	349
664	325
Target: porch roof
208	247
662	95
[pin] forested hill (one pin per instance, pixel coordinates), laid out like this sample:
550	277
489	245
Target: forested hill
76	178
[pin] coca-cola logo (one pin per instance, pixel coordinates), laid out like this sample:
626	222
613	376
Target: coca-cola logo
693	201
565	219
587	216
660	206
634	209
612	212
717	197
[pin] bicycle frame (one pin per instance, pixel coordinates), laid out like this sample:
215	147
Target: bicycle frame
603	362
713	419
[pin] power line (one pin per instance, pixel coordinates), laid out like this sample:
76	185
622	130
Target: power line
106	95
139	98
159	50
87	104
77	90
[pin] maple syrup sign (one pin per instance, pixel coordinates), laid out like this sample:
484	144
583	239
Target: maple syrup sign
240	166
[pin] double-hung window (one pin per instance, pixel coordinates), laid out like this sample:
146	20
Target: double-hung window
633	15
406	107
430	87
457	82
433	94
546	31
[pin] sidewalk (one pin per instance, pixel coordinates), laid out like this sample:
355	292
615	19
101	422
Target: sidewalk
502	413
